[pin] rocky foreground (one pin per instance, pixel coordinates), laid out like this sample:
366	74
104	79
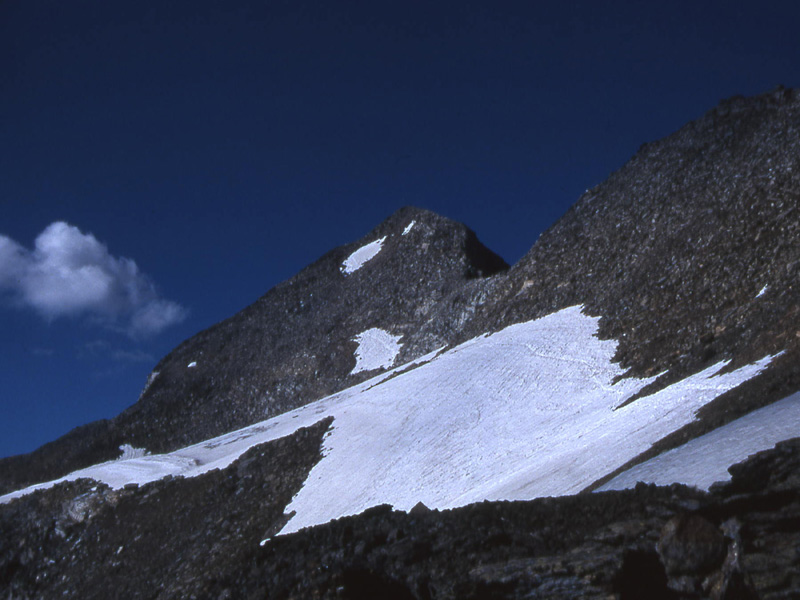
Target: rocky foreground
213	537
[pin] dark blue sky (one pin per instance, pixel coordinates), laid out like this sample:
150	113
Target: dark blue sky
222	146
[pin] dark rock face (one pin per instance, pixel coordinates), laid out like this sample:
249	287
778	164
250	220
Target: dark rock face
203	537
690	544
294	345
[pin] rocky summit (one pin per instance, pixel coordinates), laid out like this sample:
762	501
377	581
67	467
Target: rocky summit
616	415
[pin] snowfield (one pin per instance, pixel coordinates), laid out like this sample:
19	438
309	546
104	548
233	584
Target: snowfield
358	258
377	349
525	412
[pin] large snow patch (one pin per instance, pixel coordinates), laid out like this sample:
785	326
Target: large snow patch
525	412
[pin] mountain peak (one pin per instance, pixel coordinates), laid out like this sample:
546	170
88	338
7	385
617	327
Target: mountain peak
306	338
425	239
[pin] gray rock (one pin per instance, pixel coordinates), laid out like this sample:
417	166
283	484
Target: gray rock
690	545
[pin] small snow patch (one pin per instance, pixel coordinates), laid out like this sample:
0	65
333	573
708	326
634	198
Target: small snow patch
409	227
150	379
763	290
358	258
191	365
376	349
129	452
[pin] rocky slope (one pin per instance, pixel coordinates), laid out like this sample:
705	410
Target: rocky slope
675	247
688	254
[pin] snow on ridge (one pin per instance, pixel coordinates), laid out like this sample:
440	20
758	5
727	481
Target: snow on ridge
525	412
377	349
361	256
409	227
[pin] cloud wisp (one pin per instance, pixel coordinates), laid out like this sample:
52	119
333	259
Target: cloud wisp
69	274
106	350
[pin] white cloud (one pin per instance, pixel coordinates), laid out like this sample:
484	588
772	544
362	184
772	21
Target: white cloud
69	273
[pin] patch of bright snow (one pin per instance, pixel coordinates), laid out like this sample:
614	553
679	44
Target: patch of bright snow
377	349
705	460
524	412
129	451
191	365
150	379
763	290
409	227
358	258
